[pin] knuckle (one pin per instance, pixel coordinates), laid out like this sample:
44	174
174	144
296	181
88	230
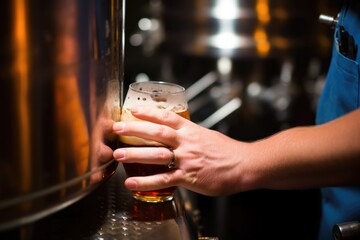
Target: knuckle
162	155
166	115
166	179
178	176
162	131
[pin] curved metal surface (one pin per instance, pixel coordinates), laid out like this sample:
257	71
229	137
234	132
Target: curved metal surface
60	84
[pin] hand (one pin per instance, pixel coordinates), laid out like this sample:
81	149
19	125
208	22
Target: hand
103	141
208	162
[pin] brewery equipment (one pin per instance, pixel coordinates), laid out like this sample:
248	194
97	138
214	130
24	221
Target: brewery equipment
60	82
240	28
236	56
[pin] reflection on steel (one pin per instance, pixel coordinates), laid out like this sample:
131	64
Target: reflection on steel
202	84
221	113
328	20
60	85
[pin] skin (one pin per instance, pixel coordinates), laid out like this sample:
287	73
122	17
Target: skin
213	164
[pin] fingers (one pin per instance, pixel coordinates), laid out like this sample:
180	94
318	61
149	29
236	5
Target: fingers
147	130
158	125
156	115
147	155
148	183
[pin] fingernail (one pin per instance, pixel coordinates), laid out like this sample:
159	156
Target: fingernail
119	154
131	184
135	109
118	126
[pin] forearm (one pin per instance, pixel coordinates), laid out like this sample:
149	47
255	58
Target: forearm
307	157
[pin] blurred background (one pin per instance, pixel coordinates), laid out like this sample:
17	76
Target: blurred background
251	69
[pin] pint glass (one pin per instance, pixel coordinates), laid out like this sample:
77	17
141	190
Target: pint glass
162	95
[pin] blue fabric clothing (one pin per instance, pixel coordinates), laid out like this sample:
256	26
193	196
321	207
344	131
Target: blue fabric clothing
341	95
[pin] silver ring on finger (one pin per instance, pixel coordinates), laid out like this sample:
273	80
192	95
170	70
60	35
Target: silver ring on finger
173	163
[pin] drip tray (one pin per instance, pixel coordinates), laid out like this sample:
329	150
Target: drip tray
111	213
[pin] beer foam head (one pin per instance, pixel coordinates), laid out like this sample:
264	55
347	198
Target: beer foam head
162	95
156	94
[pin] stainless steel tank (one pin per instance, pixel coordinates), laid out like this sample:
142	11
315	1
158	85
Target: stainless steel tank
60	84
242	28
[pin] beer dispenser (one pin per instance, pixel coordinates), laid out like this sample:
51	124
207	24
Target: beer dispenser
60	84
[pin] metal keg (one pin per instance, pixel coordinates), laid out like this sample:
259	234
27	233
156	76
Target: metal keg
61	73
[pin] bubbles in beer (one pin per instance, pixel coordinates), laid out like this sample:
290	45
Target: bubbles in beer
162	96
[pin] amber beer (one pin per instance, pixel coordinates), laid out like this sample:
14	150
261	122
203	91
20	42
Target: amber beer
164	96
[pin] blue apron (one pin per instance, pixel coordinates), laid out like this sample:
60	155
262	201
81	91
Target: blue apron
341	95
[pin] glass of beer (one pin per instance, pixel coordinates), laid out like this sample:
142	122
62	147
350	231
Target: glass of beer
162	95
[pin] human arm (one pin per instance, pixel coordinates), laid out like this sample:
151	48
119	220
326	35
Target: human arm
315	156
214	164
